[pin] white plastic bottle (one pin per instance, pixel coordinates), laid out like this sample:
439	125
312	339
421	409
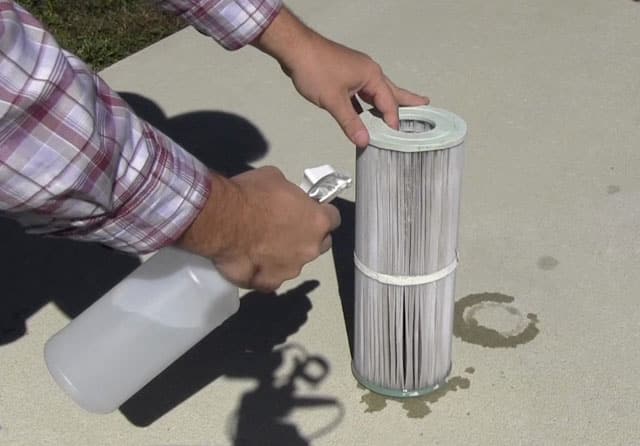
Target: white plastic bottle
151	318
139	328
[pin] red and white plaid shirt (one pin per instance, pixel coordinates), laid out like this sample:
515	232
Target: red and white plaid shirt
75	161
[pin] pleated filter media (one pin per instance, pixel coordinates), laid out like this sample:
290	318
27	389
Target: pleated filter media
407	213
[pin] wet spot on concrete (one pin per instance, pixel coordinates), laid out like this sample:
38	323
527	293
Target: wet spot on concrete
613	189
506	330
374	402
547	263
470	370
417	407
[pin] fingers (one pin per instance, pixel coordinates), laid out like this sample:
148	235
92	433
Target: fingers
267	280
334	221
334	216
344	113
326	244
265	284
383	95
386	97
380	95
405	97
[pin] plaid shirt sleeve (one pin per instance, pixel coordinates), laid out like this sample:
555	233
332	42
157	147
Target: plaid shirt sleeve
233	23
74	159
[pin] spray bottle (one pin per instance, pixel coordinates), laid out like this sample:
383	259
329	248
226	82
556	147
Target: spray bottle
151	318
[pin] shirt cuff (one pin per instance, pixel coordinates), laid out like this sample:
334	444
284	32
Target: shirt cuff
170	197
233	23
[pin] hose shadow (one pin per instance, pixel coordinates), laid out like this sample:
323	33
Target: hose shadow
249	345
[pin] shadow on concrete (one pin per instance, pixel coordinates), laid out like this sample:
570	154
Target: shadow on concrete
245	346
73	275
261	417
224	142
343	249
38	270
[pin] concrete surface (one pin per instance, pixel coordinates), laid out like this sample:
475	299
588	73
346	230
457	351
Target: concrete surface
550	244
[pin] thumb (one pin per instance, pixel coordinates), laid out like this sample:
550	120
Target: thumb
343	112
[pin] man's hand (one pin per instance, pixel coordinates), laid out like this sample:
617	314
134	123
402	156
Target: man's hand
259	229
330	75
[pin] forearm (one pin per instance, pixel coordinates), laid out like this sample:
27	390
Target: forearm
232	23
286	38
75	161
216	226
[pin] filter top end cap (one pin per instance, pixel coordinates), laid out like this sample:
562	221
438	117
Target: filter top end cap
421	129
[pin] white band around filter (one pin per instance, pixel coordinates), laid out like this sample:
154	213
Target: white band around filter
406	280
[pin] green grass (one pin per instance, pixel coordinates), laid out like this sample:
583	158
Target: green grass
102	32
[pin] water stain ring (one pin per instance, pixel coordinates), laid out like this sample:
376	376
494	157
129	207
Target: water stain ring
518	322
467	327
